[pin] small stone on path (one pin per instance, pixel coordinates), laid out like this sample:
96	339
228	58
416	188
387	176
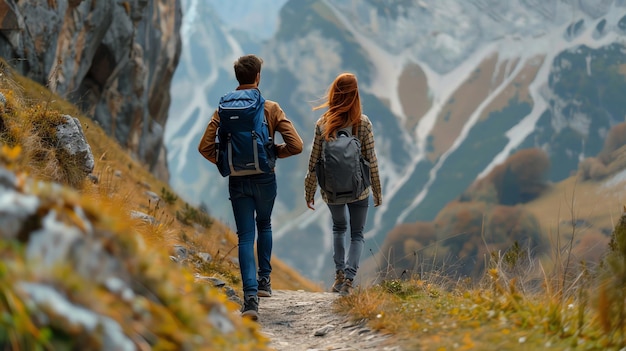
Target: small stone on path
324	330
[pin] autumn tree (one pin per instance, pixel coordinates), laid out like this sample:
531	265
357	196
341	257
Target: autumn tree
469	232
404	245
615	139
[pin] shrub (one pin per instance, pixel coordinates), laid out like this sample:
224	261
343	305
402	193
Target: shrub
189	214
403	245
167	196
470	232
611	293
521	178
592	168
615	139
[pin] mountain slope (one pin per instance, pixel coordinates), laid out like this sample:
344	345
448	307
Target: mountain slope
453	88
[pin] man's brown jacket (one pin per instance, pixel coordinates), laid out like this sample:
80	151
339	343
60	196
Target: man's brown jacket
277	122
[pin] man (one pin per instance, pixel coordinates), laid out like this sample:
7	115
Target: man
252	196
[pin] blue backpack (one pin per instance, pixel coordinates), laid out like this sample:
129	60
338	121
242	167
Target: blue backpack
244	144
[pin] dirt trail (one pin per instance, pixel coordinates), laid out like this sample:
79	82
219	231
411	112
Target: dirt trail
305	321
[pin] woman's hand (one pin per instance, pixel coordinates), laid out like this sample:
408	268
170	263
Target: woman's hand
377	202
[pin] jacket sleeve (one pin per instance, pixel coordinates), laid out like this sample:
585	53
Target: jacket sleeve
369	153
292	141
207	143
310	181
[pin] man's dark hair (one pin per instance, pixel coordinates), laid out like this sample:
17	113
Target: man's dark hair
246	68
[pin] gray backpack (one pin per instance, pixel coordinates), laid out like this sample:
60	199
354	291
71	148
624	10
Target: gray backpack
341	171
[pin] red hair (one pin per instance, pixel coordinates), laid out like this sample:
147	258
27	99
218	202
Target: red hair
344	105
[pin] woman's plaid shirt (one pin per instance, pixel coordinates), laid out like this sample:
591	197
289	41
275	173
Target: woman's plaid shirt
366	136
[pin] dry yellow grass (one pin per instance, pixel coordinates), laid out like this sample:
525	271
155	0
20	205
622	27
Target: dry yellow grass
564	300
425	316
588	203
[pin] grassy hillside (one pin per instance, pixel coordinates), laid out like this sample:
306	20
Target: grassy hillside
515	263
120	248
124	182
570	297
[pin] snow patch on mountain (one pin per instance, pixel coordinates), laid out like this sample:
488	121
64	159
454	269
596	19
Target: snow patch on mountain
388	65
518	133
448	31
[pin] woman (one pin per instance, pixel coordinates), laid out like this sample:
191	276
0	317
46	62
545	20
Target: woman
344	110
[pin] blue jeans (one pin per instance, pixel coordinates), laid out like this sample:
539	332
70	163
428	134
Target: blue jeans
358	214
252	198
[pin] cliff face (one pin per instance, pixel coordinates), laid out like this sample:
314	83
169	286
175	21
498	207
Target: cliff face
114	59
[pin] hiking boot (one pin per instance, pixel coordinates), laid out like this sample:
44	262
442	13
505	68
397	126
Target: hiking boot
346	287
265	287
339	278
250	307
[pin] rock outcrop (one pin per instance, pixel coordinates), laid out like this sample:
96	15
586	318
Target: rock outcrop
81	283
114	59
71	138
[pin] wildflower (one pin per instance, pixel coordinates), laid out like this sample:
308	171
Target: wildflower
522	339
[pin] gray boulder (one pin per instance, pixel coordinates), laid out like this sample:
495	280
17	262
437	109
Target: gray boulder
70	137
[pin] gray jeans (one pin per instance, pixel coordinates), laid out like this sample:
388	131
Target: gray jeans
358	214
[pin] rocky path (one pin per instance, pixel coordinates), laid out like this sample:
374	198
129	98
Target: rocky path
305	321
